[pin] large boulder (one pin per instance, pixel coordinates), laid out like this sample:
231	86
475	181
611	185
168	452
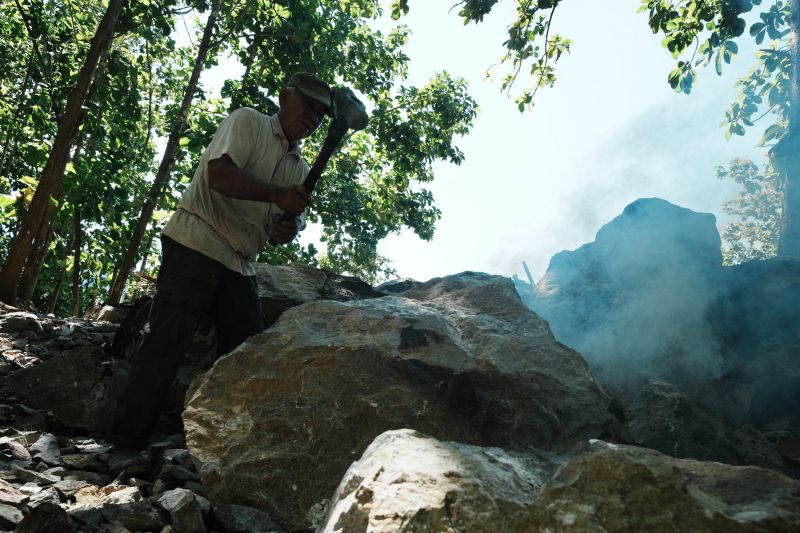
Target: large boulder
634	302
624	488
459	358
406	481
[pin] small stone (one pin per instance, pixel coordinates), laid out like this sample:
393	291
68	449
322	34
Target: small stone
136	516
46	450
177	473
87	515
9	516
68	487
116	527
12	450
20	344
45	518
241	519
92	478
26	475
10	495
80	461
48	495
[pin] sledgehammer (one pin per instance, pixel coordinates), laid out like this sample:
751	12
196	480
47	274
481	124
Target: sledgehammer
350	115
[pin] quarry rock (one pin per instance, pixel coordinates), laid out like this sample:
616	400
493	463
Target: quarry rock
406	481
671	422
284	286
652	270
396	286
459	358
78	387
625	488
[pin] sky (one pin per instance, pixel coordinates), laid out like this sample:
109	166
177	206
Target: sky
609	132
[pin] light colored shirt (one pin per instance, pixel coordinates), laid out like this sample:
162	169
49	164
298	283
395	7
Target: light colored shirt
226	229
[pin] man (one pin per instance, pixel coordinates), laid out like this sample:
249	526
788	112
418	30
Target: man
247	177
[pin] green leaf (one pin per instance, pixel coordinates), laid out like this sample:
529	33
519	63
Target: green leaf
773	132
29	181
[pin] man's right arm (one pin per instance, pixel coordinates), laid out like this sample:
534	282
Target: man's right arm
228	179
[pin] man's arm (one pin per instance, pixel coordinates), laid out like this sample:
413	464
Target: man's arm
228	179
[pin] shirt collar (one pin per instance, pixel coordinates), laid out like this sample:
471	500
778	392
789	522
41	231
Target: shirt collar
277	130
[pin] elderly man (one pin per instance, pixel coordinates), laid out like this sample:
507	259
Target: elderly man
247	177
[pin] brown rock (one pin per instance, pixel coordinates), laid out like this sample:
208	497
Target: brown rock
460	359
624	488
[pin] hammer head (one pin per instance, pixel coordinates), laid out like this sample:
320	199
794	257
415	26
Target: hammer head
349	109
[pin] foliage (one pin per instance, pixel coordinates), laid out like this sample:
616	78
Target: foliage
531	46
755	235
373	187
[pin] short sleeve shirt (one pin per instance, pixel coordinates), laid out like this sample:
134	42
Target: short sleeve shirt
226	229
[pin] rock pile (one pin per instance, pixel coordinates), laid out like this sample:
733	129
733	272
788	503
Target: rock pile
442	406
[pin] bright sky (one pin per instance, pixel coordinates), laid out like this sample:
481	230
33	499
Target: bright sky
609	132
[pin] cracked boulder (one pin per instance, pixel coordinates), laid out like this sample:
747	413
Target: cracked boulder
406	481
458	358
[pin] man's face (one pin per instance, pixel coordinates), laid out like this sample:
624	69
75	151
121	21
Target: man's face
300	115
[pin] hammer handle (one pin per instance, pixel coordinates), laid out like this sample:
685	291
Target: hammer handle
335	133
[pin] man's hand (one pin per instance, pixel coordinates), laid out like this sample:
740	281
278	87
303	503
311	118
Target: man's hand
291	199
284	231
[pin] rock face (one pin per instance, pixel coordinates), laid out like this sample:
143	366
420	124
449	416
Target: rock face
406	481
649	298
624	488
459	358
636	299
284	286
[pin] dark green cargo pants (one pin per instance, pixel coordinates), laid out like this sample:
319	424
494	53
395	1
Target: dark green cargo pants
190	286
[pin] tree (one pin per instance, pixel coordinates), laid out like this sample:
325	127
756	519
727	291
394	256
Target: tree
56	163
758	207
709	29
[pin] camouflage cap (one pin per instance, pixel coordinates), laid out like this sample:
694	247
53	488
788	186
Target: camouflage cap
313	87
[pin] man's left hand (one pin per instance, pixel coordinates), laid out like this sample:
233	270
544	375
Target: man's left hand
284	231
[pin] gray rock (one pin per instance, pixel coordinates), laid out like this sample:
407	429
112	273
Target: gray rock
459	358
46	450
284	286
136	516
12	450
83	461
242	519
624	488
78	387
30	476
68	487
19	321
9	516
406	482
45	496
185	510
635	301
47	517
396	286
10	495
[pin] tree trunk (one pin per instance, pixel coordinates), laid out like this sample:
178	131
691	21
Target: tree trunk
787	152
53	171
76	263
162	177
30	276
